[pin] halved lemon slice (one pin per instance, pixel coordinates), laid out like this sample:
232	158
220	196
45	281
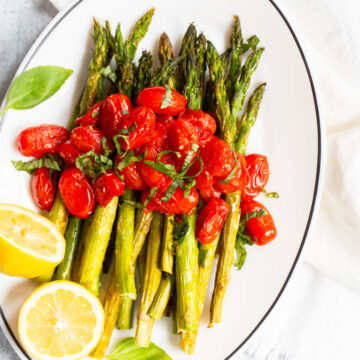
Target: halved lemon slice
30	244
61	320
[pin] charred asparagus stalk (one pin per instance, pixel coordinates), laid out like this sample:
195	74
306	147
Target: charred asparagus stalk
230	90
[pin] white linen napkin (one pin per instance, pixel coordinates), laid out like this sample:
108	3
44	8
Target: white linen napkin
314	317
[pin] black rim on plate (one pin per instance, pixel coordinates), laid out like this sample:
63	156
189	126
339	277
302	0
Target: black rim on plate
3	322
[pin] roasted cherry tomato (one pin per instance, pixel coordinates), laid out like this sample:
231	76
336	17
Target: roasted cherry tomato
160	136
107	186
218	157
178	204
43	188
143	119
69	152
165	119
40	140
132	177
238	180
182	134
87	138
210	220
261	229
116	106
209	194
153	97
258	169
152	177
92	117
203	179
205	125
77	193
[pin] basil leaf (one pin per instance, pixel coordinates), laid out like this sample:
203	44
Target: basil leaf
187	162
107	150
165	152
126	131
167	169
127	160
150	196
252	214
180	230
188	187
233	171
95	113
273	194
34	86
108	73
240	254
92	164
127	350
47	161
169	192
198	158
167	98
202	257
242	239
117	144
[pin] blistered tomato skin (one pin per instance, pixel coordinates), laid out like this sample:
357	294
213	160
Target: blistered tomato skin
77	193
69	152
144	120
92	117
218	157
152	177
132	177
115	107
165	119
43	188
238	181
262	230
153	97
210	220
178	204
37	141
205	124
107	186
258	170
209	194
87	138
182	134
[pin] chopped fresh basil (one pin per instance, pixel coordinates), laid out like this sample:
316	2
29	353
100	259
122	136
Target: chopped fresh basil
242	239
166	102
273	194
150	196
233	171
92	164
126	131
47	161
95	113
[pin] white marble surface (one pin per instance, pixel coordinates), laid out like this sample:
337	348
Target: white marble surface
21	23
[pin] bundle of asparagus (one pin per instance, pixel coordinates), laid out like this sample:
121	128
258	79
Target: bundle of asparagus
174	270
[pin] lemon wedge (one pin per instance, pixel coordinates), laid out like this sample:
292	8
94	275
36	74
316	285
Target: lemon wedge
30	244
61	320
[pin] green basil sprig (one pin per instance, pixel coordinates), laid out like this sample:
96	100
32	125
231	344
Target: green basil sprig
242	239
179	179
34	86
126	349
47	161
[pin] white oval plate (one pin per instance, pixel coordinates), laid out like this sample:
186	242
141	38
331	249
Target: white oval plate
287	131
